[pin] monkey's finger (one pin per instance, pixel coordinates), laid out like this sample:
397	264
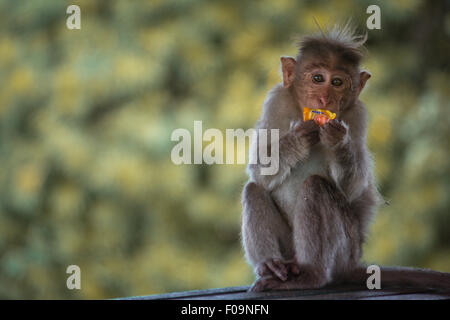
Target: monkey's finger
307	126
329	130
335	124
278	268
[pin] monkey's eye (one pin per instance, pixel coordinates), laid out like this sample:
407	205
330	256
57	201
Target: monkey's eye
336	82
318	78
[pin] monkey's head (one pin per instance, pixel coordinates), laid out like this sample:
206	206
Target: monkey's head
326	73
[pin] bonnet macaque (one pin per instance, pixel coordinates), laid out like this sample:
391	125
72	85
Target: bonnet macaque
304	226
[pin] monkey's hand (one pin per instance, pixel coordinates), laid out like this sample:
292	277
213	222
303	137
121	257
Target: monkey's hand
333	132
307	132
294	146
281	269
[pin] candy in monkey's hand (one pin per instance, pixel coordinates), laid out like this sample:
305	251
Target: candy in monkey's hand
321	120
320	116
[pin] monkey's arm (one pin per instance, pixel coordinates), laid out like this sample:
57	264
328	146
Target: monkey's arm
351	169
293	147
349	160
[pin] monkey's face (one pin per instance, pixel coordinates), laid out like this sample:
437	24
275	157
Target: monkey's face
324	88
326	82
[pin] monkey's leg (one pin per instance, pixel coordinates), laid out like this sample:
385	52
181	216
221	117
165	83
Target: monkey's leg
266	236
324	237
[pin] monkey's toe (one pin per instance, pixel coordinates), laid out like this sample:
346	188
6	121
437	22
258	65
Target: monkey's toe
278	268
265	284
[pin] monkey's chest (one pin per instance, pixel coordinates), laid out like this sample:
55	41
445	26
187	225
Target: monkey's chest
289	192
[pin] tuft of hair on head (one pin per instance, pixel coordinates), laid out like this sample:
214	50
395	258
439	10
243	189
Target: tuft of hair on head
343	41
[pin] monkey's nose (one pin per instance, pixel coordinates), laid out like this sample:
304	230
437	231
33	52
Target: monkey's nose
323	101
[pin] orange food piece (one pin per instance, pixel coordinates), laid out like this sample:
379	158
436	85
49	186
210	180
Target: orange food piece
321	120
320	116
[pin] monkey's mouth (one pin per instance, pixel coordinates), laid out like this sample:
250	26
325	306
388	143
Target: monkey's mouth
315	104
320	116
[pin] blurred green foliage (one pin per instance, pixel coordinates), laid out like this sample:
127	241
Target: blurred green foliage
86	117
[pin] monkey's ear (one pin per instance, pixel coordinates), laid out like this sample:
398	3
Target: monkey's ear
288	68
363	77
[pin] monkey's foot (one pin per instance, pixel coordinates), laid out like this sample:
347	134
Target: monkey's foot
264	284
303	281
282	269
272	283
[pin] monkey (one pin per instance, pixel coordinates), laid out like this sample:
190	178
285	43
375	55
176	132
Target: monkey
304	227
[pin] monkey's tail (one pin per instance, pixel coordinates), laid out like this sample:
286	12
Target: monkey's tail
403	276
